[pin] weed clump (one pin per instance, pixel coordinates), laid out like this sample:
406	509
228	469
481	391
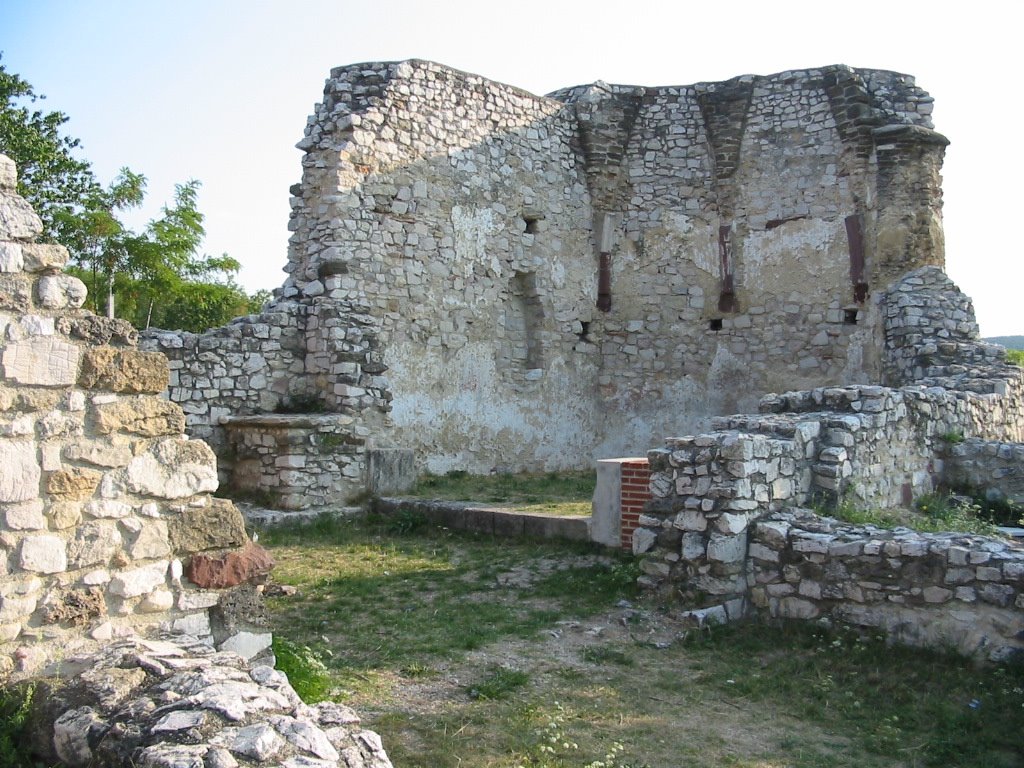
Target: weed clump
305	669
15	711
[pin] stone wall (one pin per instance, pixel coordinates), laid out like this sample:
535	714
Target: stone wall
991	467
949	591
107	522
717	527
523	282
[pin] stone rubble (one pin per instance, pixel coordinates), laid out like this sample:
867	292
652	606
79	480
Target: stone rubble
175	702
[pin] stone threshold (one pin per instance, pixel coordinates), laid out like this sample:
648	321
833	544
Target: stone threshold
496	521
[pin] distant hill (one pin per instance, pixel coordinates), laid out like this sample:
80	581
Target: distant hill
1010	342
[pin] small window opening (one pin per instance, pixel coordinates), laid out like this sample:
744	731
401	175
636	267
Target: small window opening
715	324
584	332
850	316
531	224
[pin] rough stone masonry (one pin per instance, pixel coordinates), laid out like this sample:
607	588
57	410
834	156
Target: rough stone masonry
124	584
498	280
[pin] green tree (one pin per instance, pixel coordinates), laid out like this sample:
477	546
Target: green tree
50	177
158	276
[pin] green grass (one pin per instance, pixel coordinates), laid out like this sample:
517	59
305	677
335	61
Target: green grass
1015	357
563	493
305	669
512	684
377	601
500	683
15	711
932	513
923	707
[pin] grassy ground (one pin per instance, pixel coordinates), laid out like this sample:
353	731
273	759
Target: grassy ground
561	493
467	651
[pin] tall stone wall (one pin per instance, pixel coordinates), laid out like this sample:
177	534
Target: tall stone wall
107	523
526	282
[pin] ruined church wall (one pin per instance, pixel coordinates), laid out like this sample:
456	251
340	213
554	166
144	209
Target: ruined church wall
777	162
452	236
454	210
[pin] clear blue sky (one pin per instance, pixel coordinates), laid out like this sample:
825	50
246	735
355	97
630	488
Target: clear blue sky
219	90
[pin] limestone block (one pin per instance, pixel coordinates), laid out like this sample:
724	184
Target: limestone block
727	549
218	525
17	219
247	644
72	734
150	541
146	416
73	484
59	424
157	601
173	469
108	452
196	624
16	604
60	292
795	608
8	174
179	721
64	514
139	581
192	601
643	540
731	524
107	508
694	546
43	360
761	552
27	516
43	554
123	370
11	257
94	543
97	331
15	293
259	742
690	520
40	257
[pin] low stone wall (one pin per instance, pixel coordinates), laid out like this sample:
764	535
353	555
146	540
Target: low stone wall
296	462
710	529
993	467
944	590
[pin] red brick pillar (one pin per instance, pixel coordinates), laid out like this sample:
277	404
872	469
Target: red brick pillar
634	493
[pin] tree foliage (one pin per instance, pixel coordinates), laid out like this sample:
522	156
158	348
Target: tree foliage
158	276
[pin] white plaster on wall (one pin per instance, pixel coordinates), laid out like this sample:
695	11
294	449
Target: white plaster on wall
791	255
472	227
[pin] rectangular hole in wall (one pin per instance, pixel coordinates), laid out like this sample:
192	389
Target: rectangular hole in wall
530	223
850	316
715	324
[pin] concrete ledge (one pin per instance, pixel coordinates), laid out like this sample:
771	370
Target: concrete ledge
496	521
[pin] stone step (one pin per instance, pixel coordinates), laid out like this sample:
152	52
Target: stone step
496	521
